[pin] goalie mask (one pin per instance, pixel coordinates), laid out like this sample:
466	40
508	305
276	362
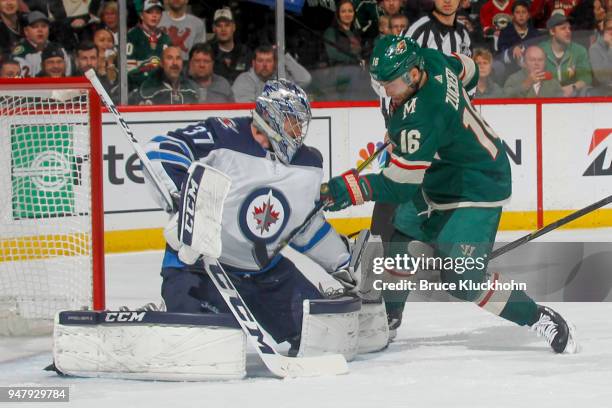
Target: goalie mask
282	113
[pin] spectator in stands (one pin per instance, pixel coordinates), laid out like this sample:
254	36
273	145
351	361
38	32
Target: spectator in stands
166	85
10	69
72	20
145	44
384	28
533	80
212	88
467	14
440	29
514	39
584	19
495	15
184	29
107	55
600	55
392	7
109	18
28	51
568	61
398	23
600	11
542	10
342	40
87	58
250	84
231	57
11	29
486	88
368	12
384	25
53	63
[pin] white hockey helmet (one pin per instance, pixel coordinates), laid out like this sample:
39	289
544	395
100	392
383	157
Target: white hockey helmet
282	113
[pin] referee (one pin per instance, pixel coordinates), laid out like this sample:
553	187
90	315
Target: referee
440	30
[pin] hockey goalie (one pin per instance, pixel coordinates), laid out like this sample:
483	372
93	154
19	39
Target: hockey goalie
243	185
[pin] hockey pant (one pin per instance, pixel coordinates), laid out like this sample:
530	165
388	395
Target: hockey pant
274	297
457	235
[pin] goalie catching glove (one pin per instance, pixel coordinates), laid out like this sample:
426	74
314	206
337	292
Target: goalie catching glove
196	229
345	190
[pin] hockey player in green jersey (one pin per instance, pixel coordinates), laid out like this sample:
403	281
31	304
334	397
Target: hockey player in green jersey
450	174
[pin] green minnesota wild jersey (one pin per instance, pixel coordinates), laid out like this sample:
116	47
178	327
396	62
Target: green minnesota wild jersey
144	51
29	59
443	144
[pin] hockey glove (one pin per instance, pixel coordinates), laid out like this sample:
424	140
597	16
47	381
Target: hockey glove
347	279
346	190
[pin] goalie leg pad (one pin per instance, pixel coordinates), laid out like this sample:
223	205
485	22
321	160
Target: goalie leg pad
149	345
373	326
330	326
196	230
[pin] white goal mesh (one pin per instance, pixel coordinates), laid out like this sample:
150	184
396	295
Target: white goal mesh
46	214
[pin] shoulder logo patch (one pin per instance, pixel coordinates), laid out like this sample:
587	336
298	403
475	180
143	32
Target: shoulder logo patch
438	78
409	107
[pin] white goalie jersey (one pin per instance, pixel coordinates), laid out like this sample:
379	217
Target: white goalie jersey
267	199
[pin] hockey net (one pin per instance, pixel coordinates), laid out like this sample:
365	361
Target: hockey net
51	216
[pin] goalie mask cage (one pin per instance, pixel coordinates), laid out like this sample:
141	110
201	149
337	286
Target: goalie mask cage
51	212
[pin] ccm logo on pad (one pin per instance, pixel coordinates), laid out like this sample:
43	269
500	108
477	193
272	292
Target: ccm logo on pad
124	316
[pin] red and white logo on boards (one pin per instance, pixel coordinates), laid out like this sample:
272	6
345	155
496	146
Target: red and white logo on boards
600	154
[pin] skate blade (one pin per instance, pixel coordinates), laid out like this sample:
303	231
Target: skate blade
572	346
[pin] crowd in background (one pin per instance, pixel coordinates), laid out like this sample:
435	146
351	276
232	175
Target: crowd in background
222	51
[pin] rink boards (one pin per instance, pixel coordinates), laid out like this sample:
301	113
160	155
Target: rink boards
558	150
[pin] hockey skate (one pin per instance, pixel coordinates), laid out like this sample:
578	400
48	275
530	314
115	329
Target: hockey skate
558	333
394	319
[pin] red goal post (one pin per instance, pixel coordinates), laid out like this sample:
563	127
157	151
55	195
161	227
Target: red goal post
51	201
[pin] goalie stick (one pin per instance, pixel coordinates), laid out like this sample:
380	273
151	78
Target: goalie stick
127	132
281	366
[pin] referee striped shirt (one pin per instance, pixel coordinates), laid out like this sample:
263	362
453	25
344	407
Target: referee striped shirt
428	32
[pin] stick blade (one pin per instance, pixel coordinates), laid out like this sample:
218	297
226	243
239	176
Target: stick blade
291	367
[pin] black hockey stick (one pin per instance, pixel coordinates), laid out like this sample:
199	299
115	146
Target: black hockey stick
552	226
544	230
279	365
320	206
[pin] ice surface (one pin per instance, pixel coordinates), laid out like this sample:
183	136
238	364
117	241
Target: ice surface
445	355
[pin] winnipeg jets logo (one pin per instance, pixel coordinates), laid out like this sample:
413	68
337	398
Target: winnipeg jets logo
264	214
228	123
601	164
